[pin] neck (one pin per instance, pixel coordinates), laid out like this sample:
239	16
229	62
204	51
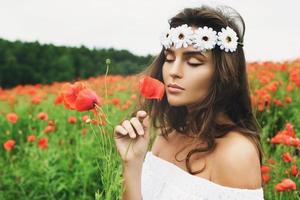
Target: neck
221	117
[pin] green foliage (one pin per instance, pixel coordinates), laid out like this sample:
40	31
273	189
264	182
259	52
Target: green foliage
31	63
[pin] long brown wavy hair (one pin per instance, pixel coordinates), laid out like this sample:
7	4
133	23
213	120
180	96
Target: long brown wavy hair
229	92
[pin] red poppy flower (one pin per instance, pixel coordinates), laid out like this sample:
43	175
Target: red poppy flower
295	142
30	138
151	88
288	99
133	97
265	169
286	157
72	120
290	130
43	143
266	178
86	100
85	118
294	170
272	161
116	101
12	117
36	100
79	97
277	102
9	144
49	129
70	92
98	122
51	123
286	184
59	99
43	116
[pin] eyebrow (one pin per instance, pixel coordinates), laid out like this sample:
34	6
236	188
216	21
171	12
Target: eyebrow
186	53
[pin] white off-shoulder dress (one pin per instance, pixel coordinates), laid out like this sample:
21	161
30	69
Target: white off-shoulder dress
163	180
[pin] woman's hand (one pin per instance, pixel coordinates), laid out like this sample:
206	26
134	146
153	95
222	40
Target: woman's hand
133	132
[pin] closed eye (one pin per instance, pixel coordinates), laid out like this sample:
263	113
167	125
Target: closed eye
195	64
169	60
191	64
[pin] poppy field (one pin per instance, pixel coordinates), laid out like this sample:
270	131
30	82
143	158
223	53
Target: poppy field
57	143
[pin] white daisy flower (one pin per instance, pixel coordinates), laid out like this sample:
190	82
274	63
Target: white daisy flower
182	36
205	38
227	39
166	38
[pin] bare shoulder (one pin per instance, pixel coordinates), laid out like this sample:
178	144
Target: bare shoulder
157	142
236	162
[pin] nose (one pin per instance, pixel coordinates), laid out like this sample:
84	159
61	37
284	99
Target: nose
176	69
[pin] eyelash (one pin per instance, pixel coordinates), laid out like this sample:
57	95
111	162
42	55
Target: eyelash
194	65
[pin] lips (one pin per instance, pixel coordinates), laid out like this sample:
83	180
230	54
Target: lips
175	86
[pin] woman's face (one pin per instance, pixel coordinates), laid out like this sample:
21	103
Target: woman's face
187	74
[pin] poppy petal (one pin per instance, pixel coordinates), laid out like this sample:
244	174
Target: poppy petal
86	99
151	88
70	93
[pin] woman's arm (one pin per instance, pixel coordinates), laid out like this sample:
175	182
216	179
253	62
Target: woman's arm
132	139
132	173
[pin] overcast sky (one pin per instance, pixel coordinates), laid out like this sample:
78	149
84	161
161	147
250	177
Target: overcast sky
272	27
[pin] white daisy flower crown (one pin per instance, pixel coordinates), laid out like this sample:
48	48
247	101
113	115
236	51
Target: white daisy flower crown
203	38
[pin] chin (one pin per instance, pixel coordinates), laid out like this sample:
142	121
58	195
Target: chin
175	101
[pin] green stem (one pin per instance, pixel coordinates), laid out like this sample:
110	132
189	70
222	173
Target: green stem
128	149
107	138
107	67
105	115
99	141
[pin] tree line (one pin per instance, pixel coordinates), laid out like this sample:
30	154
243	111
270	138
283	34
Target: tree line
32	62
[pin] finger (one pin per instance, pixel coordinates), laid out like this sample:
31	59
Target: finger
127	125
146	122
137	125
121	130
141	114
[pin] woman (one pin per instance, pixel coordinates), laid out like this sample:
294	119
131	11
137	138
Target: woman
207	143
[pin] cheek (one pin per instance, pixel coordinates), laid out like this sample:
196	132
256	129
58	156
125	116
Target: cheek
164	73
200	82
